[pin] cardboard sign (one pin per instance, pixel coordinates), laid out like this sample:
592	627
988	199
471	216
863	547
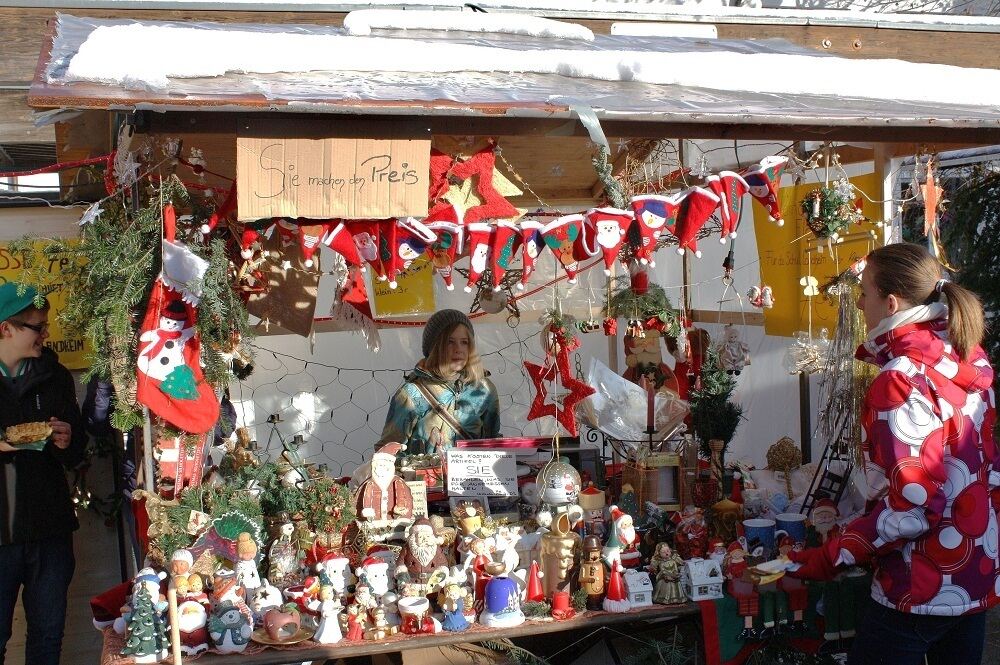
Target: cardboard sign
72	350
418	490
481	473
290	299
322	178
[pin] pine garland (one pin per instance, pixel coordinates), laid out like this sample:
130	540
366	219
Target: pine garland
626	303
109	273
613	189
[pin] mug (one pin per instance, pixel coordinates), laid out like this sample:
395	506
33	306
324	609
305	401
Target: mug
759	534
792	525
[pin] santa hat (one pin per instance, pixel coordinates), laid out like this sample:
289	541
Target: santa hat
106	607
390	450
616	513
372	563
616	600
561	236
827	503
450	235
248	238
421	523
504	243
339	239
617	222
287	231
310	236
408	240
696	206
221	212
735	546
715	542
531	245
762	182
478	245
183	555
654	214
534	592
366	235
730	188
591	498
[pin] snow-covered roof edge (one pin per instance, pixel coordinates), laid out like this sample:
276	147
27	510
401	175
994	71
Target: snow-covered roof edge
592	9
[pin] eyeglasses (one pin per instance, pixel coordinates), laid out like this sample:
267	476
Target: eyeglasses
40	328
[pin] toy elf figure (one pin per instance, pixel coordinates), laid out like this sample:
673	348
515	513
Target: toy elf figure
747	598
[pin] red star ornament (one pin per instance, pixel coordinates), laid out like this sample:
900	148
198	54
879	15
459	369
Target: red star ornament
578	391
494	205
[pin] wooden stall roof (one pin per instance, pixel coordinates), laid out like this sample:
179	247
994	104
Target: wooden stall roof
483	105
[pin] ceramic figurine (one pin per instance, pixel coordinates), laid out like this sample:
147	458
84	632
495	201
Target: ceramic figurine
416	616
282	623
150	579
192	618
284	559
503	604
454	609
384	496
592	574
264	597
196	590
365	600
691	537
246	568
616	599
374	573
355	629
666	568
389	602
229	629
734	354
639	588
146	632
560	551
380	628
181	562
338	568
422	560
824	519
328	630
622	545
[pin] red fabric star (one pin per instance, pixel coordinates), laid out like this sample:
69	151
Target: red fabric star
494	206
578	391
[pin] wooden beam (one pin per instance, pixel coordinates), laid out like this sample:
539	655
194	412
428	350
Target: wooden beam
724	317
17	120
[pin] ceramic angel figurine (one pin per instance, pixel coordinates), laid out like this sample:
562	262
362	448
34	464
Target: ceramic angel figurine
246	568
328	631
666	567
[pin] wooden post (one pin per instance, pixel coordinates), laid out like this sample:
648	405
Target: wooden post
175	627
805	418
147	452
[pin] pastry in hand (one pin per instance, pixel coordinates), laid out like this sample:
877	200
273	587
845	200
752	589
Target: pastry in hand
28	433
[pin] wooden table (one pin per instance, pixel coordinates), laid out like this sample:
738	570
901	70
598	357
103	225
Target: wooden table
476	633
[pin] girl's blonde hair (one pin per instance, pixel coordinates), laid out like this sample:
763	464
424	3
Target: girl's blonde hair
472	372
908	271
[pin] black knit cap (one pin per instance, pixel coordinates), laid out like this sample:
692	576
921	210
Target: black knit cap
440	322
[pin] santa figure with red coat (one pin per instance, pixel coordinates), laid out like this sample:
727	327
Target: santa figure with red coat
624	539
384	496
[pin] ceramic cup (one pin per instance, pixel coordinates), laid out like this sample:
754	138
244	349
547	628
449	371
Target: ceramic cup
792	525
759	533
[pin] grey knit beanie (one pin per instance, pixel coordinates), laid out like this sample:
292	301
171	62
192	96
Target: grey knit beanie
441	321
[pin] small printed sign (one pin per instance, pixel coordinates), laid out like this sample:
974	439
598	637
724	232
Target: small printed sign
418	490
481	473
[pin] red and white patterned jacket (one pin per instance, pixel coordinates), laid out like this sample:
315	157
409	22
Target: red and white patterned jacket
932	534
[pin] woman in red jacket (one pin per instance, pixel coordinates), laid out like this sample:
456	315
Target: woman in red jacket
930	531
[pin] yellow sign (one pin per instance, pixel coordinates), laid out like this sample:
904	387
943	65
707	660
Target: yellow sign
791	252
72	350
283	175
414	292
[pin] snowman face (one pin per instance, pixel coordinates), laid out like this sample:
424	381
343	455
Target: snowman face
532	248
406	252
652	220
478	261
171	325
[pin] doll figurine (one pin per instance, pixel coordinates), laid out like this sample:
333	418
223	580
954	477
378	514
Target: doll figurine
666	567
328	631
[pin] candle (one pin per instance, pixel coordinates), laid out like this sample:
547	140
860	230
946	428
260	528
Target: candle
647	385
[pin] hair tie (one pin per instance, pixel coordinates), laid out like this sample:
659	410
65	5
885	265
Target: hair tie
939	287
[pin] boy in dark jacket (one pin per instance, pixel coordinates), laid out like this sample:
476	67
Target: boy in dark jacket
37	518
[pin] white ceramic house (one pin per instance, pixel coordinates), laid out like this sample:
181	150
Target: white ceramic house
639	588
702	579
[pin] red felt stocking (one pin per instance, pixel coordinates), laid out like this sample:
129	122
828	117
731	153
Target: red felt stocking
447	246
531	245
730	188
654	214
478	243
763	180
696	206
170	381
503	248
610	226
338	238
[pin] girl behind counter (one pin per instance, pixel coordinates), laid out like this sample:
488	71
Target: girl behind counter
447	397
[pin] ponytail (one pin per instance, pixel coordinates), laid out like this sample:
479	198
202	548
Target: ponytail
966	321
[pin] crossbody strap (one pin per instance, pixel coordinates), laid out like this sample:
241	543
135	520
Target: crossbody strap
439	409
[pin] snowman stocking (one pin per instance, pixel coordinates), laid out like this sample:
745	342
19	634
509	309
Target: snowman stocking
478	236
654	214
447	246
170	381
762	180
696	206
610	226
531	245
503	248
561	236
410	240
730	187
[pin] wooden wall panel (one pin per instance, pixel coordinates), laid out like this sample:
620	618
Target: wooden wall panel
16	122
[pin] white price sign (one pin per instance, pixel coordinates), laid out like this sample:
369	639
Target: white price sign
481	473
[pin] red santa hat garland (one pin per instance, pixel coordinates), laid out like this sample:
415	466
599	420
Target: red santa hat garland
531	245
446	248
696	206
730	188
478	236
504	243
610	227
408	239
561	236
763	180
338	238
654	214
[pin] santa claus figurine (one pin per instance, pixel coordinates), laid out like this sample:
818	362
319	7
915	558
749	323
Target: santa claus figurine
384	496
824	519
375	573
623	542
422	561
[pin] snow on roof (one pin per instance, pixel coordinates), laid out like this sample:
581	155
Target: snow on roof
361	22
742	67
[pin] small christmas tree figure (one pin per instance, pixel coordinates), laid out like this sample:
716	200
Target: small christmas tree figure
147	635
629	502
180	383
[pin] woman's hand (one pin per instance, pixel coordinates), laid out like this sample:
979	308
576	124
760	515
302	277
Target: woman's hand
62	433
6	447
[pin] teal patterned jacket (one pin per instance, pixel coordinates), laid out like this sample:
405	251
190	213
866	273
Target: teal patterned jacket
414	423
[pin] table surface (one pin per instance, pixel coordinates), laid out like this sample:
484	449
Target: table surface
476	633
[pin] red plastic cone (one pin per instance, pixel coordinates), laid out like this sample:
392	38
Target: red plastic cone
534	592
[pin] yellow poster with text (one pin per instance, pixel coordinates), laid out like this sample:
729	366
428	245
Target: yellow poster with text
72	350
785	258
414	292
